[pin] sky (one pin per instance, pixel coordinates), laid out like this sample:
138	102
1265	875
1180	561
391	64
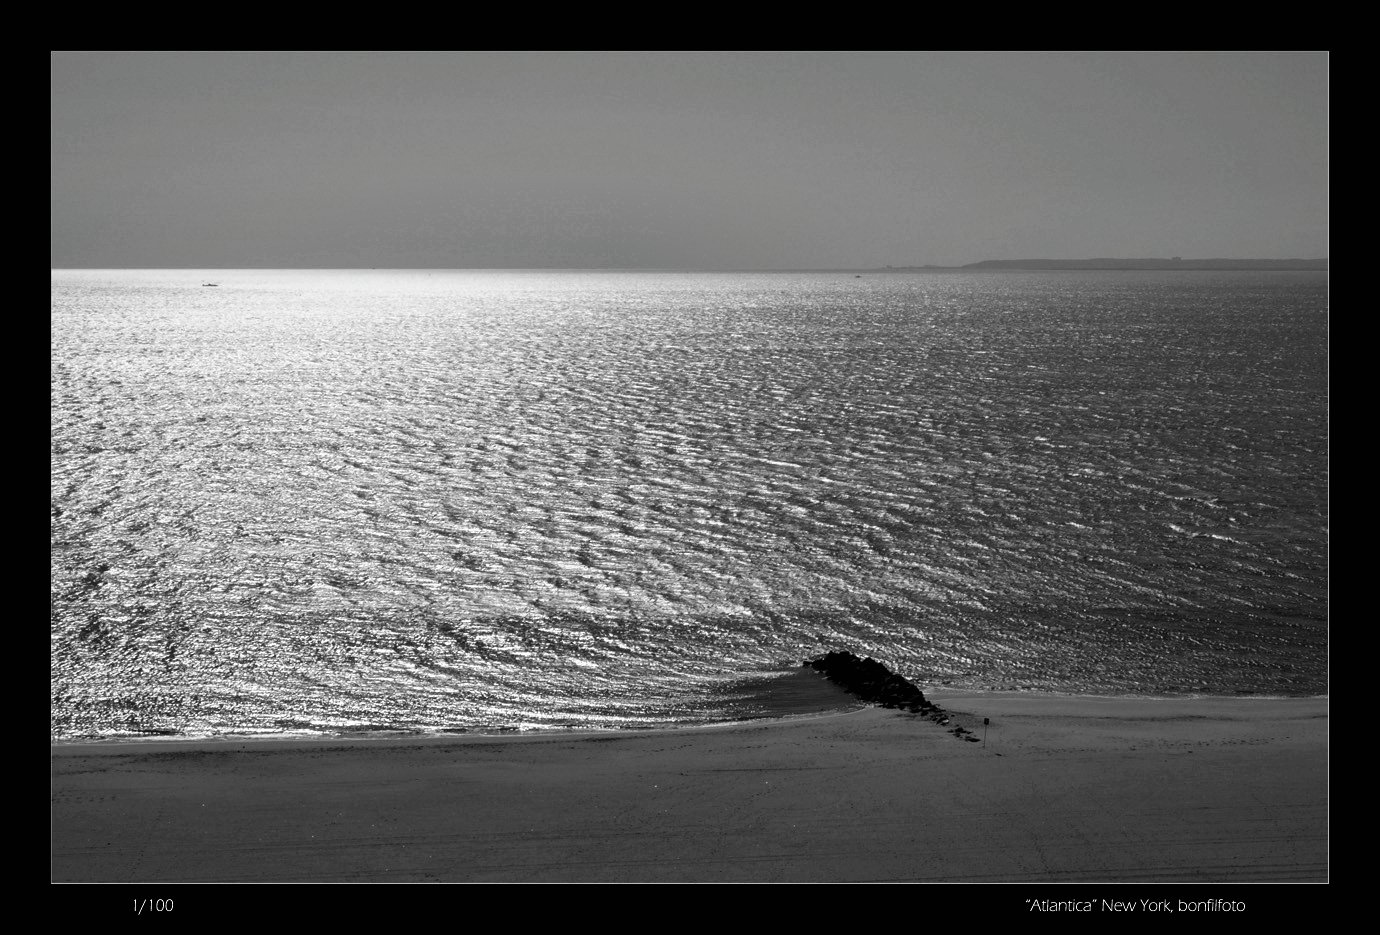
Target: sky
733	160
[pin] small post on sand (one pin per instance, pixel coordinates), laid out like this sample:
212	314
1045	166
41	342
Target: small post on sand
985	722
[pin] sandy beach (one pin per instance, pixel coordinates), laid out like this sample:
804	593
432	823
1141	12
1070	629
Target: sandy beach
1062	789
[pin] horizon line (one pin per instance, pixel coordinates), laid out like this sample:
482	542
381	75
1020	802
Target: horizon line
743	269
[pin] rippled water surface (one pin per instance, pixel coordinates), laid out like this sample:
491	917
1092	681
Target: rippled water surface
316	501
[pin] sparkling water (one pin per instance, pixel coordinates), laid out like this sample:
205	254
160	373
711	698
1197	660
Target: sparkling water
313	501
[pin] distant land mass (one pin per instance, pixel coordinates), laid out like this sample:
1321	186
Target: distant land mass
1113	263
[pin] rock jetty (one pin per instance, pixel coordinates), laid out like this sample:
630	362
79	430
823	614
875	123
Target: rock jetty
871	681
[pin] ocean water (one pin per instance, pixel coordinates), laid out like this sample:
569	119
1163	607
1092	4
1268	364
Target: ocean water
322	501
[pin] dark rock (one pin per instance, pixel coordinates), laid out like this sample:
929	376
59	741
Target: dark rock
870	680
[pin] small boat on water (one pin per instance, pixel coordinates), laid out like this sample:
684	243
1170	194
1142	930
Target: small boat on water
210	284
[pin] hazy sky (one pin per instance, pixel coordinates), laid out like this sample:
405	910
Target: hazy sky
684	160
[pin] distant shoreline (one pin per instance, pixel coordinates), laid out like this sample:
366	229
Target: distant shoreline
1129	264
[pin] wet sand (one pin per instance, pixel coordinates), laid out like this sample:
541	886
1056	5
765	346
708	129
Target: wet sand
1063	789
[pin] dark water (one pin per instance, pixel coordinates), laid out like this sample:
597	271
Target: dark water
316	501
